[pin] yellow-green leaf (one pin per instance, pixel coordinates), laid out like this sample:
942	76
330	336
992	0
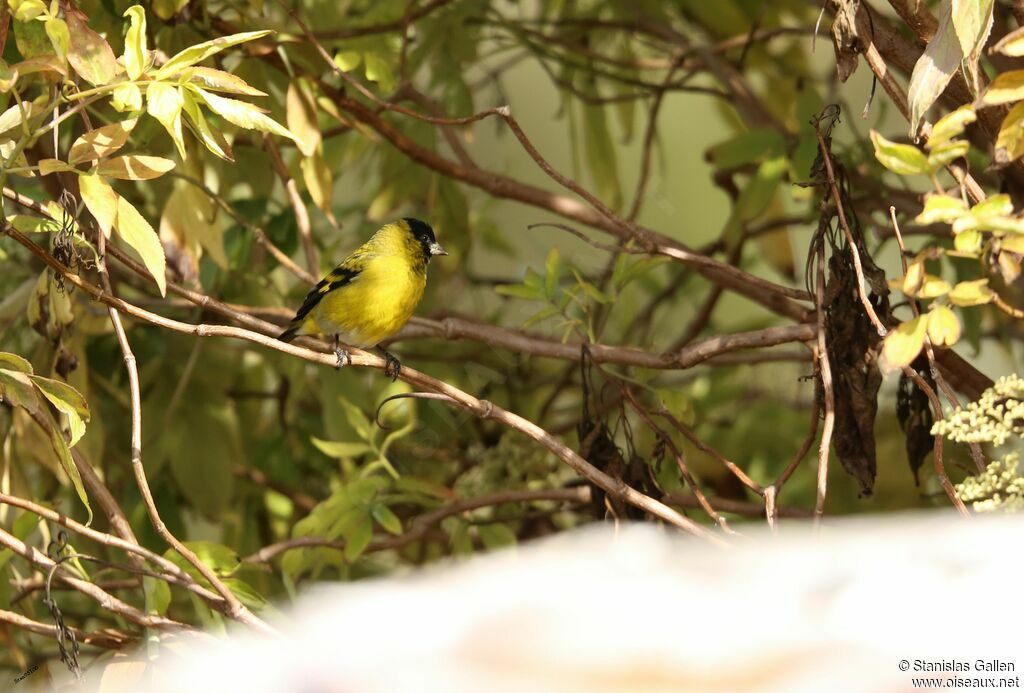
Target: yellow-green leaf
913	279
932	287
218	80
933	70
135	50
90	55
202	51
994	206
134	167
60	37
378	69
1007	87
968	242
1013	242
66	400
319	182
101	142
212	139
134	230
164	102
943	326
971	293
68	463
944	153
1010	141
16	388
902	345
166	9
127	98
48	166
13	362
939	208
348	60
27	10
300	111
100	199
951	125
903	159
1012	44
242	114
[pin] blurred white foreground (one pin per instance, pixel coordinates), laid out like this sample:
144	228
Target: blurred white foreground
645	610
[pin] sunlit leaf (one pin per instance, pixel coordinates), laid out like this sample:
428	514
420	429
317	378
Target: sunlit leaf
218	80
60	37
242	114
101	142
943	326
127	98
947	152
164	102
90	55
134	230
135	48
904	159
101	201
971	293
134	167
341	450
972	22
934	69
301	117
1012	44
202	51
902	345
941	208
212	139
68	401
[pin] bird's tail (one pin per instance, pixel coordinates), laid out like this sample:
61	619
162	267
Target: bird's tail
289	334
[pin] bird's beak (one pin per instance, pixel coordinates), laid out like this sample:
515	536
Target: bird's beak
436	249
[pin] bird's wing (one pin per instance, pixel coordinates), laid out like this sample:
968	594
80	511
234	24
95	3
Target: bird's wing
340	276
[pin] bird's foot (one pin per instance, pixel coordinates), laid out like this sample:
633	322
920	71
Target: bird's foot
343	357
392	366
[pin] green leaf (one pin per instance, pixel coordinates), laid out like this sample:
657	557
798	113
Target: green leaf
378	69
202	51
357	419
164	102
553	271
134	230
166	9
968	242
934	69
903	344
339	449
358	537
60	37
496	536
158	595
101	142
242	114
932	287
530	293
16	388
66	400
747	148
995	206
348	60
600	151
903	159
13	362
301	116
386	518
222	560
134	167
758	192
135	49
90	55
939	208
68	463
947	152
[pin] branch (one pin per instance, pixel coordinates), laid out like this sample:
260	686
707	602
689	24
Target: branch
108	639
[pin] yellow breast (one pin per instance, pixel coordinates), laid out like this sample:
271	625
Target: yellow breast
375	305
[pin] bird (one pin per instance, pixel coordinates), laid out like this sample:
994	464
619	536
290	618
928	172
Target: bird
373	292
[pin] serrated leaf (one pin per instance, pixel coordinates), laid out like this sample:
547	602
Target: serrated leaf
66	400
971	293
212	139
164	102
135	48
202	51
902	345
134	167
90	55
101	142
134	230
100	199
903	159
242	114
941	208
943	326
13	362
218	80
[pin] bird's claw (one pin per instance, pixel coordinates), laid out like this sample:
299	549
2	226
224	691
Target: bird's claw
343	356
392	366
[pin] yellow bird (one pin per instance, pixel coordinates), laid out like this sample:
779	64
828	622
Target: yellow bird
372	293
